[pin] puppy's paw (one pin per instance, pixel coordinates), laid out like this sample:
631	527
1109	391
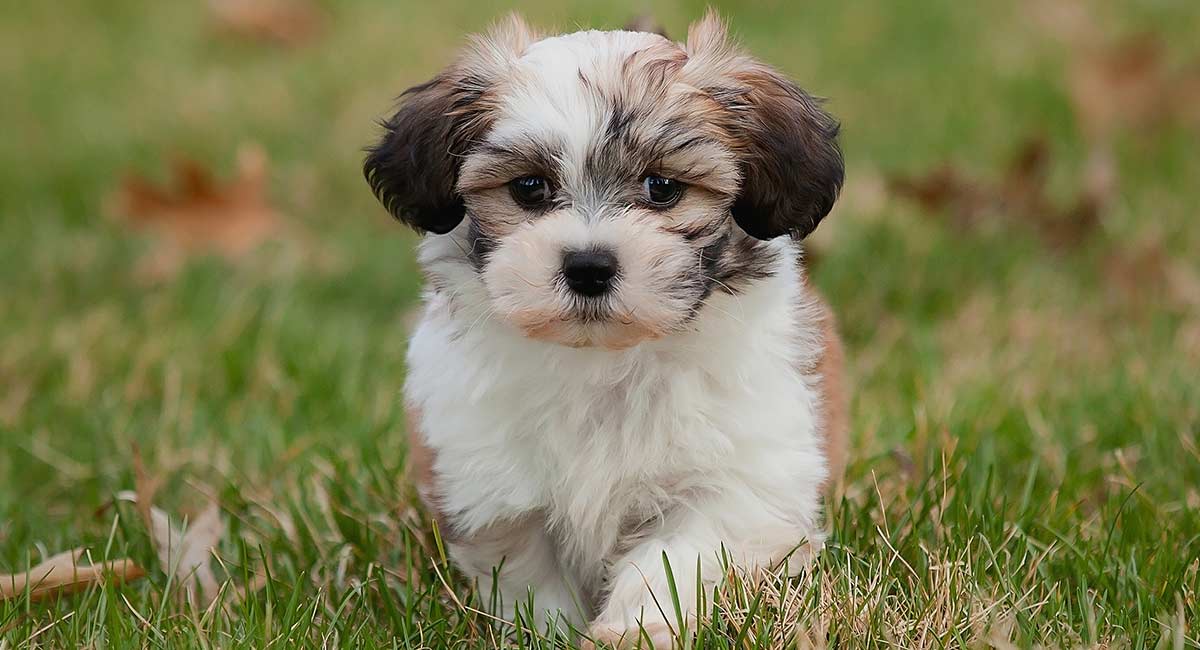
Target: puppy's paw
630	638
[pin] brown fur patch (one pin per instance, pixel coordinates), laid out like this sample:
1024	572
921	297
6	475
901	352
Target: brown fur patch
835	404
495	542
420	471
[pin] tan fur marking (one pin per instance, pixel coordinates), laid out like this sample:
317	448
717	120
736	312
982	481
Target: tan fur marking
835	406
420	470
501	537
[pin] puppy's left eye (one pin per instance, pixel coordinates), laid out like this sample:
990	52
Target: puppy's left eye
530	191
662	192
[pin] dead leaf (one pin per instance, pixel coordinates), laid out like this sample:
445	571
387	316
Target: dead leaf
196	214
944	189
1121	86
1137	271
1025	180
1019	195
289	23
64	574
1116	83
145	487
186	551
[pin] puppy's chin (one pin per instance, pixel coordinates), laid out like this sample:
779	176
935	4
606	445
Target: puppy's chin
583	330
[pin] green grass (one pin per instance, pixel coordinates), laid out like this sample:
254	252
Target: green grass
1025	465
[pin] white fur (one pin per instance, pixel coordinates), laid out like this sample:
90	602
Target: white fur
714	428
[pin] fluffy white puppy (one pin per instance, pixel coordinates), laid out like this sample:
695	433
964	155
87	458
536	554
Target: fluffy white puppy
619	355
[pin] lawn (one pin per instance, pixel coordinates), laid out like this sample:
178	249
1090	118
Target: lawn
1025	465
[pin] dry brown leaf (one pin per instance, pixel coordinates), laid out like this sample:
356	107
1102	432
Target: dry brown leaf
145	487
196	214
65	574
1025	180
186	552
1020	194
289	23
1116	83
1138	270
944	189
1122	86
1144	272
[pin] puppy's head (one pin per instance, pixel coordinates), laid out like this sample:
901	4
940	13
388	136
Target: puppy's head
601	185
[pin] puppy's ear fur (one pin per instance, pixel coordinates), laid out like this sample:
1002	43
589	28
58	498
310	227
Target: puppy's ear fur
792	167
413	168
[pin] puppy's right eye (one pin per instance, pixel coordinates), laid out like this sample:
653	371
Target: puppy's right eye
530	191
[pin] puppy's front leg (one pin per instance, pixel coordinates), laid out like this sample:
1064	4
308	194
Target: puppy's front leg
753	535
516	548
522	556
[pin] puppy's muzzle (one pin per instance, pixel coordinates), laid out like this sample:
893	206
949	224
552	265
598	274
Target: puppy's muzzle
590	273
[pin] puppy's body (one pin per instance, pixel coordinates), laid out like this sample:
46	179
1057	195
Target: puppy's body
571	429
586	457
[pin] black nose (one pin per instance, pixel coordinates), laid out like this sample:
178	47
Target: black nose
589	273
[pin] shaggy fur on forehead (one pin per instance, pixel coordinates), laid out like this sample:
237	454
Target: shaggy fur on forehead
662	101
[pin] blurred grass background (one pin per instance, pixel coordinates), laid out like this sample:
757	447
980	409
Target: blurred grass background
1026	417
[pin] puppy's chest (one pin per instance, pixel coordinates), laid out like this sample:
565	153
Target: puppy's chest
653	425
583	441
607	461
602	447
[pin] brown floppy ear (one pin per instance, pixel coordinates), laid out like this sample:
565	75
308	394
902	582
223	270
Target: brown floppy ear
413	168
791	163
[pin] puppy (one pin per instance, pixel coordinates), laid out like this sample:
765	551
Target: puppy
619	356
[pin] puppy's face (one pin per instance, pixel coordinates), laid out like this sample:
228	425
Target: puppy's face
601	185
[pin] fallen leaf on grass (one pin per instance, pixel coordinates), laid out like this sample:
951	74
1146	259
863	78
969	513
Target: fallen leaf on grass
1121	86
944	189
1116	84
145	486
186	553
1020	195
1137	270
197	214
1145	273
64	574
289	23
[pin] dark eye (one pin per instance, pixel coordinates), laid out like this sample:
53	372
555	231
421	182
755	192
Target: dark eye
530	191
662	192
